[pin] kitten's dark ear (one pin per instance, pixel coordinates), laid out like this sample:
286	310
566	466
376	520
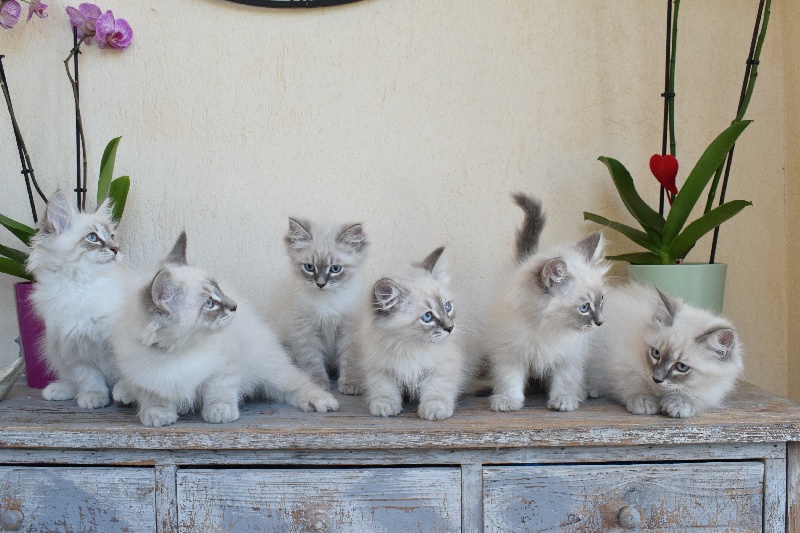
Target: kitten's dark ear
554	275
352	237
165	291
436	265
177	256
60	214
429	263
720	341
666	309
298	236
591	247
388	296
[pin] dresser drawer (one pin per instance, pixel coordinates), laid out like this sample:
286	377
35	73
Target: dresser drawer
86	499
336	499
717	495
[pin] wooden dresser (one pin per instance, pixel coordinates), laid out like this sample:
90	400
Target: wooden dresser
278	469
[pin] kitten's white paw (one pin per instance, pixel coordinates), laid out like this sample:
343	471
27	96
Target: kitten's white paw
157	417
220	413
563	403
643	405
385	407
320	401
435	410
349	387
501	402
93	399
122	393
59	390
676	407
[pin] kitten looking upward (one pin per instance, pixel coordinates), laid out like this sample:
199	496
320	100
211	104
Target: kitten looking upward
544	308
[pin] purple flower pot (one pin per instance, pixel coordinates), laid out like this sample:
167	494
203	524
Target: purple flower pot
31	335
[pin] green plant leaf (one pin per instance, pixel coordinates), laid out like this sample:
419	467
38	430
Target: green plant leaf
20	230
689	236
649	219
697	180
639	237
14	268
107	169
14	255
637	258
118	192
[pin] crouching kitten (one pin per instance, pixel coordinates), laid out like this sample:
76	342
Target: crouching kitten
183	343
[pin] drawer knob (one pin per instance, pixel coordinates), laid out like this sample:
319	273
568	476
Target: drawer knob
629	517
11	520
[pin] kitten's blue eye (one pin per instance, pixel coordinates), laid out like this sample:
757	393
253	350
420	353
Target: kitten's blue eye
209	303
92	237
335	269
448	306
308	267
584	308
655	354
427	317
681	367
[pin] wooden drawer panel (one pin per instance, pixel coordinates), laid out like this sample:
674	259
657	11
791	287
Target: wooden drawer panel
340	499
719	496
87	499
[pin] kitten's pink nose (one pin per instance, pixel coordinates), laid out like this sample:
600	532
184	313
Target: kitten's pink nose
233	308
448	329
114	249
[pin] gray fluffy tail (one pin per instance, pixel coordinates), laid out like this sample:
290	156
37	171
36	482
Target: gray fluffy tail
532	226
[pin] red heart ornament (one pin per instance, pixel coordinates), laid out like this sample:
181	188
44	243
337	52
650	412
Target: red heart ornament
665	168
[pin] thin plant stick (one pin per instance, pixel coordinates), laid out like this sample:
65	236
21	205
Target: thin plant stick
80	142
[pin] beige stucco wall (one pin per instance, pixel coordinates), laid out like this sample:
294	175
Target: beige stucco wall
417	118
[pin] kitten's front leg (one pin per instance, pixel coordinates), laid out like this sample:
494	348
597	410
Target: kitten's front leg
349	380
60	389
92	388
221	400
677	407
156	411
308	352
509	377
123	392
384	396
643	404
437	398
567	387
287	383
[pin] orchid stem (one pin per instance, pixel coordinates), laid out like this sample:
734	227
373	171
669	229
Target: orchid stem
80	141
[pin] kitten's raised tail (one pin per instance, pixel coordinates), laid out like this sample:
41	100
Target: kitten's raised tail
532	226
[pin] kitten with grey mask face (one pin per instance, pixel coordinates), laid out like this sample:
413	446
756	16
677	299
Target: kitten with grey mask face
184	343
81	283
544	309
657	354
409	344
327	266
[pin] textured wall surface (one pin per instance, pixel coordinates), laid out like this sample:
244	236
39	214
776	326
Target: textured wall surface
416	118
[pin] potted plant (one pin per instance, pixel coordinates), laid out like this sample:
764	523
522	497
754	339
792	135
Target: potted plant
89	24
667	240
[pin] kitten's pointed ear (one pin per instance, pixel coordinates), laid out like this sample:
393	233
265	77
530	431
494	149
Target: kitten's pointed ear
666	309
105	208
165	291
436	265
60	214
388	296
554	275
177	256
720	341
298	236
352	237
592	247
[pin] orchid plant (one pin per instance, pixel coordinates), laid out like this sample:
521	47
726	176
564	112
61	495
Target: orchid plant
89	24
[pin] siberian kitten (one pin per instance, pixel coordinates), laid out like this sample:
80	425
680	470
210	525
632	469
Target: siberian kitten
657	354
408	345
184	343
545	307
81	283
326	261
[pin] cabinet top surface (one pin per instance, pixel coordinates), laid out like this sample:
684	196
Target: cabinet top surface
750	415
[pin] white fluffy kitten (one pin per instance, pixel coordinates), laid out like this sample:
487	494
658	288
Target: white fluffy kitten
326	261
407	343
656	354
80	286
544	309
183	343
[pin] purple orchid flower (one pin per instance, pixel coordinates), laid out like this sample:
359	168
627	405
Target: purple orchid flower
9	14
36	7
85	19
115	33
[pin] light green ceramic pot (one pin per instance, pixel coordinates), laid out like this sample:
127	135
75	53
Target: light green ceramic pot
698	284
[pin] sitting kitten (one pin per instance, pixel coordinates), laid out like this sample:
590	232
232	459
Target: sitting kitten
406	343
183	342
80	286
545	307
656	354
327	260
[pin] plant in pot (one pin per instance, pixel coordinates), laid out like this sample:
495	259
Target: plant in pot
89	24
667	240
